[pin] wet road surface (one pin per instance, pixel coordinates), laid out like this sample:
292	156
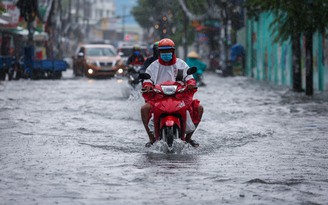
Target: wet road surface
78	141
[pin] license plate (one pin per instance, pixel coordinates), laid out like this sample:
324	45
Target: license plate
106	68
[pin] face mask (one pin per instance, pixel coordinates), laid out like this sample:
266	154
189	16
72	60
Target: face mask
166	57
136	52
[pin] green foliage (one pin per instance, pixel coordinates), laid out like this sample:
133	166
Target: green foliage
65	5
292	16
2	10
148	13
197	7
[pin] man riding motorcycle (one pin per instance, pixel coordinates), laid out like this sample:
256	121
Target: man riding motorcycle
152	58
136	58
167	68
134	65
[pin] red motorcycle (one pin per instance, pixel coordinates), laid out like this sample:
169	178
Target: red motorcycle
172	100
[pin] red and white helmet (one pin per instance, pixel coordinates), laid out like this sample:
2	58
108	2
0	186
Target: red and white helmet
166	44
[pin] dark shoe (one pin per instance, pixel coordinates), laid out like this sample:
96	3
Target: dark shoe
149	144
201	84
193	143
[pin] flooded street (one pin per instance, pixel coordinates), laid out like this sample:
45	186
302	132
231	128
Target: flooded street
78	141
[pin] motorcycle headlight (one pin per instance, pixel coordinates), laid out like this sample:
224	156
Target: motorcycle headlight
169	89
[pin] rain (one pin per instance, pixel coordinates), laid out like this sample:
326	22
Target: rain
72	136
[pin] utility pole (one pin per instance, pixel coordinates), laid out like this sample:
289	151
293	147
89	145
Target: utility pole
69	11
86	17
297	75
185	45
223	37
309	54
28	10
123	22
77	11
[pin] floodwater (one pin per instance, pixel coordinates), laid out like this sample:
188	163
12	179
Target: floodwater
79	141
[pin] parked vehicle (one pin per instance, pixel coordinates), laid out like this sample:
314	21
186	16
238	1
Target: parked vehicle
96	61
43	69
6	67
31	68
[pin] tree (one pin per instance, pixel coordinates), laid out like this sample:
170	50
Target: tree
167	19
2	9
29	11
148	14
295	18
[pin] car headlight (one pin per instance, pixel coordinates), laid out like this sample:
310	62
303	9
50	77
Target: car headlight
90	71
169	89
120	71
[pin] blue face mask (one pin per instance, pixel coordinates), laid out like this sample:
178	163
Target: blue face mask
136	53
166	57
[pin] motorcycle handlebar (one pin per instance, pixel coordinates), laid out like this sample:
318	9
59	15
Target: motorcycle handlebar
184	89
144	90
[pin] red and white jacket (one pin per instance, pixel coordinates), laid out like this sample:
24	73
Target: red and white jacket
160	73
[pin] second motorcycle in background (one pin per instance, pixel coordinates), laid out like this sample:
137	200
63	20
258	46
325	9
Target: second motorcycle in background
128	76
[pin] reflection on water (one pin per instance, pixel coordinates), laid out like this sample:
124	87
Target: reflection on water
159	158
78	141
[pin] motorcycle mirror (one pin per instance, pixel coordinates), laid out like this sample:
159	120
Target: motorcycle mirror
192	70
144	76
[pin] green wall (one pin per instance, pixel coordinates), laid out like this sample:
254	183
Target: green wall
270	61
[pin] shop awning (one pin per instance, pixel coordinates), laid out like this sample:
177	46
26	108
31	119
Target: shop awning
3	22
38	36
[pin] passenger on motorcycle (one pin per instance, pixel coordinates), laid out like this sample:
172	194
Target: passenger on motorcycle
164	69
152	58
136	58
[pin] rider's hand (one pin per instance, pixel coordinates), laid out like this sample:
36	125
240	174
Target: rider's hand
191	87
147	88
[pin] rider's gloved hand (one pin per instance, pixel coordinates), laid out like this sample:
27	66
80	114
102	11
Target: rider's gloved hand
191	84
147	88
191	87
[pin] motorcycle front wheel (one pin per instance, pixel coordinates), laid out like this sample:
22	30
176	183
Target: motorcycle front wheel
169	134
